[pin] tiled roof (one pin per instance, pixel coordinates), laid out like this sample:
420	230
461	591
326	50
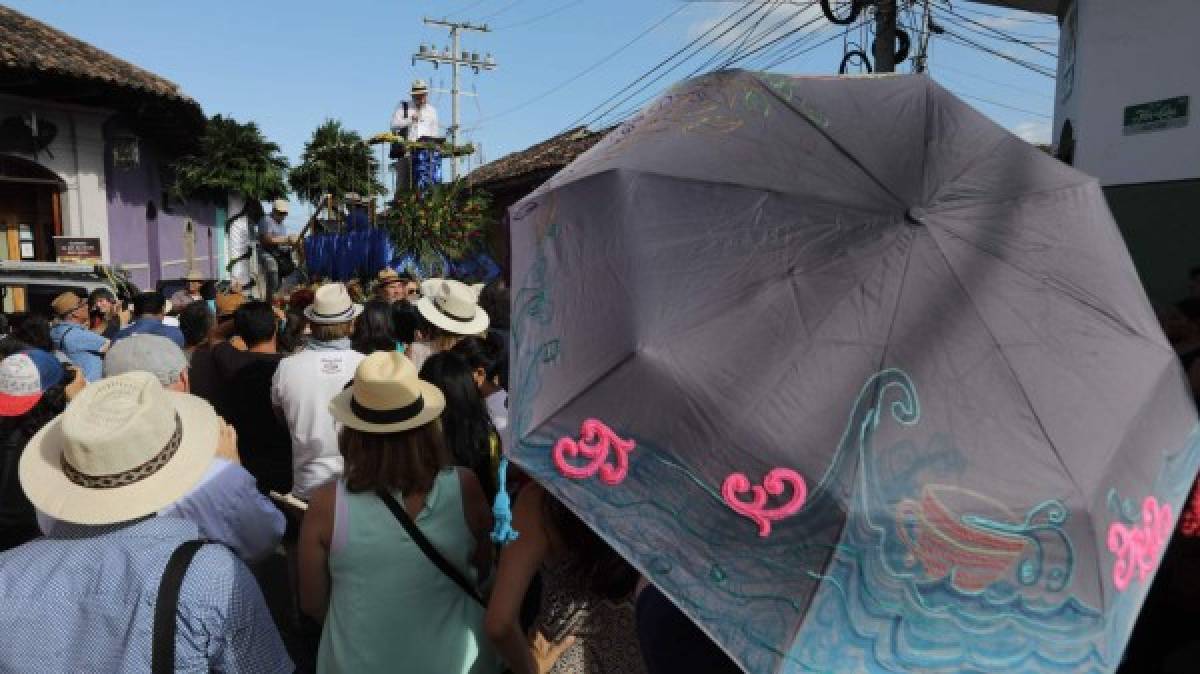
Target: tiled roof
547	156
30	45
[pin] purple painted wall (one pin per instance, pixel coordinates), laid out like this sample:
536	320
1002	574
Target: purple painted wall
153	248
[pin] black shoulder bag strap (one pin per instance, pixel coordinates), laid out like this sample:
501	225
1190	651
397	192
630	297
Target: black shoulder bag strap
427	547
162	653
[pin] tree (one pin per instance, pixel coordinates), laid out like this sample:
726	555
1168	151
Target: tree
232	158
335	161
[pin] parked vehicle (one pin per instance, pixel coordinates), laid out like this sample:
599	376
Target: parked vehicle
30	287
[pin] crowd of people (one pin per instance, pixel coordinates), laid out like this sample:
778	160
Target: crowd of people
336	456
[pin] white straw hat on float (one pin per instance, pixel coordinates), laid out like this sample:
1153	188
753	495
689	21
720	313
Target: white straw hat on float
123	449
332	304
452	306
387	396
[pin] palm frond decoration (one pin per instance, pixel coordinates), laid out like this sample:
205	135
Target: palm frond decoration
232	157
335	161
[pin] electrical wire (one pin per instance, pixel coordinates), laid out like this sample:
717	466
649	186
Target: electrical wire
610	56
740	56
587	115
1037	68
1045	21
500	11
1006	106
526	22
981	78
808	49
739	42
996	34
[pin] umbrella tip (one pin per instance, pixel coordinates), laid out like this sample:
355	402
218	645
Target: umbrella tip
915	216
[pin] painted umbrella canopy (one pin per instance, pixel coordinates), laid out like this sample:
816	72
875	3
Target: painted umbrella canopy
862	381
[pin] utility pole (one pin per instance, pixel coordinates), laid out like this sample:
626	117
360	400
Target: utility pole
885	36
921	62
455	59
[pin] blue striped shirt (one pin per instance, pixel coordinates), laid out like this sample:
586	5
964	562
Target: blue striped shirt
83	600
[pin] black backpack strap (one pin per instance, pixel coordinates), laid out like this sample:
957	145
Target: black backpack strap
162	653
431	552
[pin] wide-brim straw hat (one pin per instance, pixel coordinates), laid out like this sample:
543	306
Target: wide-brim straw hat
123	449
387	396
332	304
454	307
195	275
419	87
280	206
388	276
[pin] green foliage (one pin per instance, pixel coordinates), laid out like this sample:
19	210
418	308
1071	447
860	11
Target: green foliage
447	220
335	161
231	157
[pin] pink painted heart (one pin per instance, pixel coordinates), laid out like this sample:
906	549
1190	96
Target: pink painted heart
596	440
774	484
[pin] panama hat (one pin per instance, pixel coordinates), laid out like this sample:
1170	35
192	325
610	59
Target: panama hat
66	302
387	396
331	305
420	87
453	307
195	275
123	449
387	276
280	205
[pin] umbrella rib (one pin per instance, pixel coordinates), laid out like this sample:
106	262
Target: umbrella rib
1063	289
832	141
1008	364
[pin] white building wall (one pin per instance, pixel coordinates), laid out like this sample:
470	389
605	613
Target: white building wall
1130	52
77	156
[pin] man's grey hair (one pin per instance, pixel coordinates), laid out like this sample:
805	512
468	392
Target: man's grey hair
146	353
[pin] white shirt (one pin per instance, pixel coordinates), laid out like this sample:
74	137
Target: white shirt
303	386
497	407
416	123
227	507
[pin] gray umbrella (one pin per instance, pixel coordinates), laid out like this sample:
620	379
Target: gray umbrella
862	381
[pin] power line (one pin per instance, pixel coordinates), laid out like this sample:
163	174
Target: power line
740	56
502	10
737	43
996	33
1004	105
942	66
1044	21
664	73
657	66
560	8
1037	68
611	55
795	54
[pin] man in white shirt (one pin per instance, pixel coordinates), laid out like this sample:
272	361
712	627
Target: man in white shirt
418	119
270	233
305	383
414	121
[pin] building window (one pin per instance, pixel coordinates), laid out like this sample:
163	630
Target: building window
126	152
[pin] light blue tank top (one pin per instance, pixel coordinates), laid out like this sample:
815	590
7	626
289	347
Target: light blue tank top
390	608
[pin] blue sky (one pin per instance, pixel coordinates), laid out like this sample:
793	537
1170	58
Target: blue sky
290	65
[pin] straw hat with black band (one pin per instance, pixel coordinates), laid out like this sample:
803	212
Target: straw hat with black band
66	303
387	396
452	306
332	305
123	449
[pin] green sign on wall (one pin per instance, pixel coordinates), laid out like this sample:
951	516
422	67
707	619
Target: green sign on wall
1170	113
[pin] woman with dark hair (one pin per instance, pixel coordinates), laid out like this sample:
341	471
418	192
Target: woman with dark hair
489	364
105	317
34	330
22	414
386	606
196	322
405	322
465	423
373	329
586	619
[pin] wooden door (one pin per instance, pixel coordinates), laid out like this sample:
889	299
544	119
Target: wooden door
29	220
